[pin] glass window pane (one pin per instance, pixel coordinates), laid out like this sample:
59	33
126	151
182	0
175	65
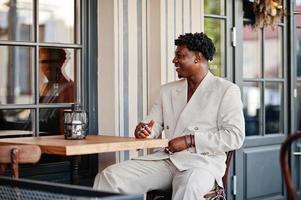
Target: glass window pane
273	108
298	5
51	121
215	29
215	7
59	21
57	72
298	50
298	19
251	53
16	20
16	75
249	15
298	106
251	100
16	119
273	53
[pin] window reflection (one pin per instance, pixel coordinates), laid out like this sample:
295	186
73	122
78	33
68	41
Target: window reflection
298	105
16	20
16	119
273	108
298	5
57	67
51	121
216	7
298	19
298	50
215	29
273	52
251	53
57	21
16	75
249	16
251	101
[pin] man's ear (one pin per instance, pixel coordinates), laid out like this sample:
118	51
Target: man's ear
198	57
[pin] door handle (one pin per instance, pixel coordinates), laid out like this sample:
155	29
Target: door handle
298	153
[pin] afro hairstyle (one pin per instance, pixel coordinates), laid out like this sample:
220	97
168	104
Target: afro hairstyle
199	42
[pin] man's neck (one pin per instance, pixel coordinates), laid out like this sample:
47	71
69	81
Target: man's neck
194	82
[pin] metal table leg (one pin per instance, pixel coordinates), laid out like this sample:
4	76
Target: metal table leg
75	161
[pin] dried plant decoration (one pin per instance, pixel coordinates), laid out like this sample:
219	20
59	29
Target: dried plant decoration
267	12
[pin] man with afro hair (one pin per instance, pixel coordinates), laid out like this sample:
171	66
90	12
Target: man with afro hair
201	116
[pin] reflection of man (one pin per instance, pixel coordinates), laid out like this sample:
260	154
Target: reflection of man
201	116
55	87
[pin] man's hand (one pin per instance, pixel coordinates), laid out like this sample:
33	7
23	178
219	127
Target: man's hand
180	143
144	129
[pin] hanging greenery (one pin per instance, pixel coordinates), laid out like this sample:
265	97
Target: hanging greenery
267	12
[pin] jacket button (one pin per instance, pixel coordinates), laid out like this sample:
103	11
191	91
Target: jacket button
167	127
196	128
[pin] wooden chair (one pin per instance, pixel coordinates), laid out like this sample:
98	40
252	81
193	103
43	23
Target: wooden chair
285	169
166	195
18	154
218	191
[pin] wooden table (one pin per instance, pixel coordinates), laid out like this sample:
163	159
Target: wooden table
57	145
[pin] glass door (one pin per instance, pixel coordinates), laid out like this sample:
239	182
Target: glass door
296	92
262	72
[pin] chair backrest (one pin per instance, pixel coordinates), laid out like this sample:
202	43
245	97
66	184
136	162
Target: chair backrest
18	154
284	162
218	192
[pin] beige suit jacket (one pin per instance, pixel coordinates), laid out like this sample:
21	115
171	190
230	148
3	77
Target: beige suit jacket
213	115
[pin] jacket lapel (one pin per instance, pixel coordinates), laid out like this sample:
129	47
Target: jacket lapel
191	109
179	98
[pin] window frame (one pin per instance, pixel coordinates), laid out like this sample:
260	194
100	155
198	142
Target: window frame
227	19
262	81
86	71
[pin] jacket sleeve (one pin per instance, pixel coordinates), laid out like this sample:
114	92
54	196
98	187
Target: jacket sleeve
156	114
231	132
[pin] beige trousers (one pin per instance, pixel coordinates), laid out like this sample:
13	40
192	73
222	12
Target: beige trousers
140	176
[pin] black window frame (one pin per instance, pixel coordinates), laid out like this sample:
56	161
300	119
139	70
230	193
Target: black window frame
85	81
262	81
227	19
